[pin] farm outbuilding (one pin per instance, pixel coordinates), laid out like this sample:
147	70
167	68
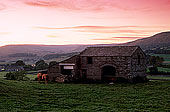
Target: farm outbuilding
105	63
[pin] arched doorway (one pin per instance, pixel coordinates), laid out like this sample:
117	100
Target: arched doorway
108	73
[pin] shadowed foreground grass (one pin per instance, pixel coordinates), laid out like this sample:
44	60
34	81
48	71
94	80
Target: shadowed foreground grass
158	77
32	96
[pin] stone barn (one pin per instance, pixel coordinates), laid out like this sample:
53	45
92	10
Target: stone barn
103	63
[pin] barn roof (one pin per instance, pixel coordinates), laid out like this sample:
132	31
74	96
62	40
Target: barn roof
109	51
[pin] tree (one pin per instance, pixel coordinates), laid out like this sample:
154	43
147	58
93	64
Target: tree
40	65
20	75
52	63
153	70
19	63
156	60
28	67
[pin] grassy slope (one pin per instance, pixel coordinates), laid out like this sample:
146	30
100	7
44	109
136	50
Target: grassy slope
158	77
163	69
32	96
31	76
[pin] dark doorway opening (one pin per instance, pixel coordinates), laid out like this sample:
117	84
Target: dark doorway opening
65	71
89	60
84	73
108	73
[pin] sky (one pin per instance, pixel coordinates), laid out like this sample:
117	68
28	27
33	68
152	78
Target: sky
59	22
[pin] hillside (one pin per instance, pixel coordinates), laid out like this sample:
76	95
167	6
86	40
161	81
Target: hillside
39	50
30	96
32	53
157	44
42	50
155	41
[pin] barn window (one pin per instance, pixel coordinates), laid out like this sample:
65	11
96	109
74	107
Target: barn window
89	60
139	60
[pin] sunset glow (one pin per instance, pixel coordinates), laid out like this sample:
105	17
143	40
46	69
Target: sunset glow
56	22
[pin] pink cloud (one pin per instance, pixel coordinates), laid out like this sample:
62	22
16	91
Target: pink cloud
92	5
52	36
105	29
101	27
115	38
40	3
126	37
87	27
104	39
2	6
118	31
5	33
64	4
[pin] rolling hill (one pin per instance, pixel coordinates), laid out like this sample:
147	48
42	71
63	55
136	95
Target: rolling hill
42	50
156	41
39	50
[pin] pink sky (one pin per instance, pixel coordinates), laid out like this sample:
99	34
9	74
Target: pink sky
56	22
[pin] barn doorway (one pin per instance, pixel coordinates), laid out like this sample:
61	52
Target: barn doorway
66	68
108	73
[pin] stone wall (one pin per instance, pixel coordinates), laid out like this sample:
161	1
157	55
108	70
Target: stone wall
138	69
53	71
121	64
126	66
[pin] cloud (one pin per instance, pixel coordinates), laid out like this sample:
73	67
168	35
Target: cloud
116	38
117	31
52	36
41	3
126	37
99	27
124	31
2	7
104	39
86	5
5	33
64	4
135	35
106	29
85	27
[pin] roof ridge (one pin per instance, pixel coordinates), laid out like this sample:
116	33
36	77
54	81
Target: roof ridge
109	51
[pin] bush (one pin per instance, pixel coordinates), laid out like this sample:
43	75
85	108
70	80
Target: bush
122	80
40	65
21	75
154	71
139	79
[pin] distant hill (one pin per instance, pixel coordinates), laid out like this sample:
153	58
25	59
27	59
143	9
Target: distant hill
53	56
22	55
39	50
159	44
156	41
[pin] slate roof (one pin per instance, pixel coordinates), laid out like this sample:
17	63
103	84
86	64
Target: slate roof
109	51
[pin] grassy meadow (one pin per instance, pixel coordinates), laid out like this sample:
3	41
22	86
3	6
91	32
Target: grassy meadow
158	77
163	69
33	96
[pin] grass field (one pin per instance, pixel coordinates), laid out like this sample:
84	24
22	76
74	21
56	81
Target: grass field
163	69
31	76
158	77
32	96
